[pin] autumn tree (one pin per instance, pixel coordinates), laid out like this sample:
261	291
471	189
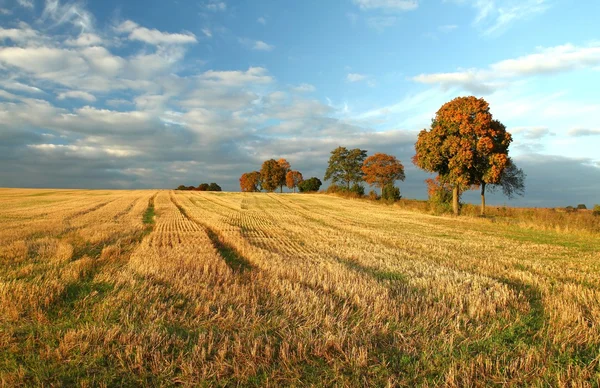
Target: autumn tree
381	170
293	179
271	175
464	146
250	181
345	166
285	166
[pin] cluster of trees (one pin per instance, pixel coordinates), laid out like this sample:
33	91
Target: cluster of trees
277	174
347	169
201	187
467	148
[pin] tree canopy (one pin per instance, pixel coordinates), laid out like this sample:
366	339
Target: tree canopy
293	179
271	175
250	181
381	170
465	146
345	166
311	184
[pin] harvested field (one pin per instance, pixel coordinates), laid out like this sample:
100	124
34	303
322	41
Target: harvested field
195	288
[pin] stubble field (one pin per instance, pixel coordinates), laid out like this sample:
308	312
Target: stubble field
187	288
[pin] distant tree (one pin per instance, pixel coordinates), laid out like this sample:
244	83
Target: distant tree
203	187
285	166
250	181
292	179
464	146
181	187
382	170
191	188
596	210
311	184
271	175
581	206
345	166
214	187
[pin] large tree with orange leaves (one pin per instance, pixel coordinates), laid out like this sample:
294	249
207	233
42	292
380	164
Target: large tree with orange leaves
250	181
271	175
381	170
293	179
465	146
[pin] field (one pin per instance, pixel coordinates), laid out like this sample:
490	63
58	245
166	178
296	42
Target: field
188	288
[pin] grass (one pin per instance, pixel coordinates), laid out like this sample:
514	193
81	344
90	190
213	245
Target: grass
186	288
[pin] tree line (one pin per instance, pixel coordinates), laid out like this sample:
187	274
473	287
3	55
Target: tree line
201	187
276	174
465	146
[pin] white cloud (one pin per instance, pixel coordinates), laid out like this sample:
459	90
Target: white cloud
73	13
257	45
304	88
207	32
85	39
23	34
254	75
582	132
76	94
26	3
532	133
494	16
215	5
546	61
20	87
392	5
355	77
262	20
154	36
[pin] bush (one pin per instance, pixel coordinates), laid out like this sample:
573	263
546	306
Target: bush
373	195
581	207
214	187
203	187
391	193
358	189
570	209
596	210
310	185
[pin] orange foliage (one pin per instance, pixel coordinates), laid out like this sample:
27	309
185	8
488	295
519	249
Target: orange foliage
382	169
293	179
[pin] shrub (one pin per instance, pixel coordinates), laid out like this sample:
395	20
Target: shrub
391	193
214	187
357	189
373	195
596	210
309	185
581	206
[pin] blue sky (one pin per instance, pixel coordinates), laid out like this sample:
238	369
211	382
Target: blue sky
140	94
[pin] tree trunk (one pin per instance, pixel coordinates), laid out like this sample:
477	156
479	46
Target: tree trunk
455	200
281	189
483	199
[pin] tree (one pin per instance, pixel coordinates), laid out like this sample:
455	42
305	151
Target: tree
214	187
311	184
182	187
465	146
382	170
250	181
271	175
293	179
203	187
345	166
285	166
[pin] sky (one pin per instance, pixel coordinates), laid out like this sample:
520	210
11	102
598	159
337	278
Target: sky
154	94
